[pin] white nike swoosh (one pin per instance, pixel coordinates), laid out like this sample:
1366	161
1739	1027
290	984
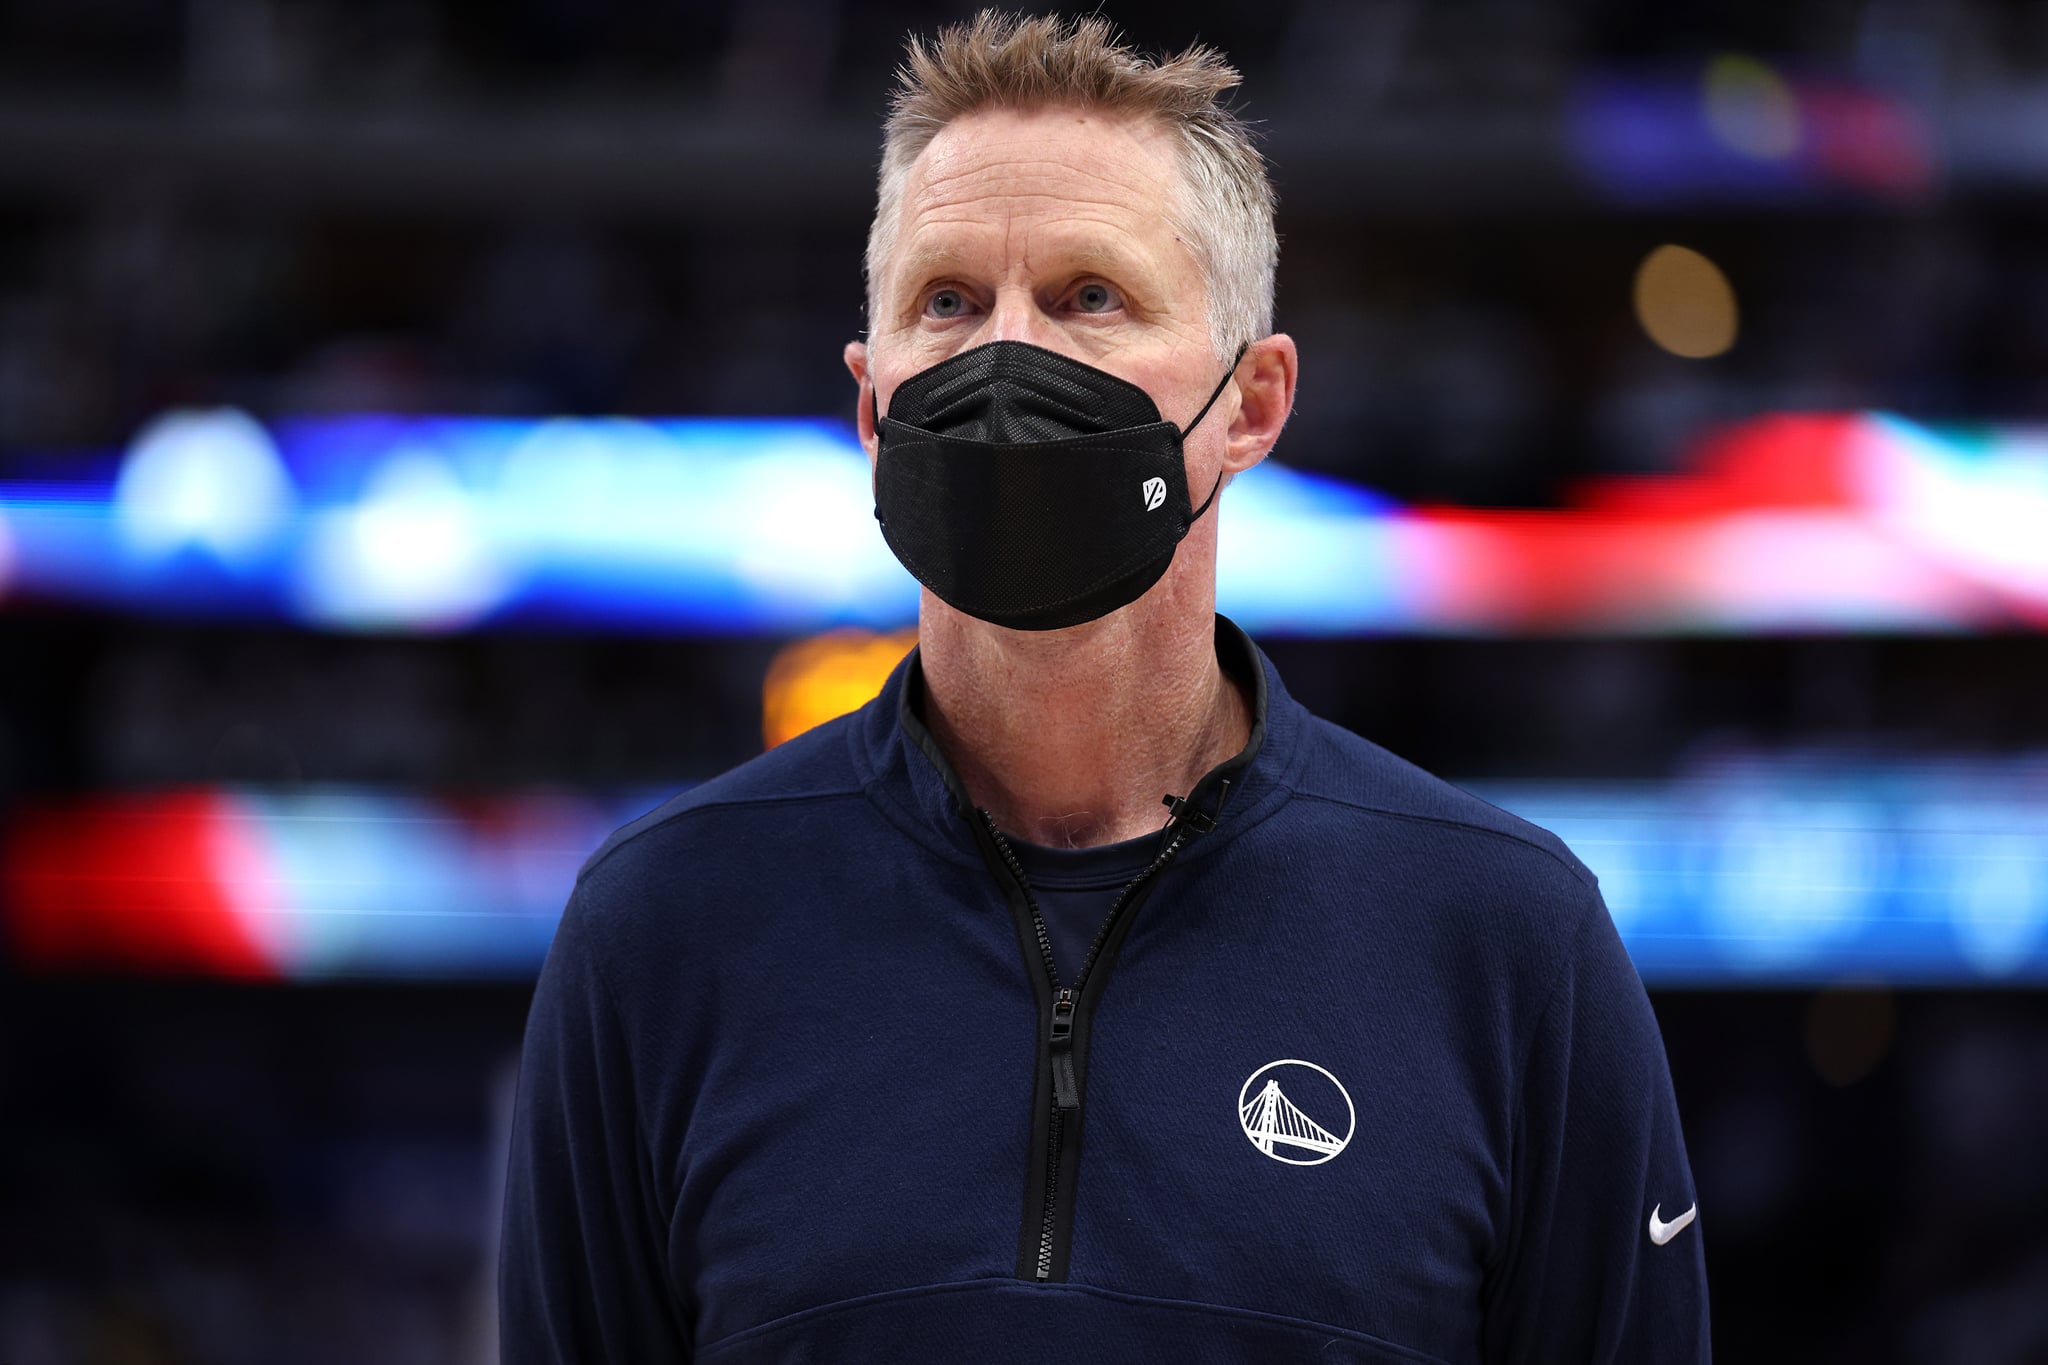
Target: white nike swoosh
1662	1232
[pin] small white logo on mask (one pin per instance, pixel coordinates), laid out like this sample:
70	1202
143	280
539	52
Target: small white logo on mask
1155	493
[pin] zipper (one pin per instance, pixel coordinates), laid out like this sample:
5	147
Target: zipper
1066	1099
1060	1026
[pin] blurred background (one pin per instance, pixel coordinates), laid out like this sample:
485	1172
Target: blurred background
424	445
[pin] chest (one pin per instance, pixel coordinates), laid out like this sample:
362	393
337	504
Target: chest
1279	1115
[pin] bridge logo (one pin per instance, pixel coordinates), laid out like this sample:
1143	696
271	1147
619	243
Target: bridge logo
1275	1106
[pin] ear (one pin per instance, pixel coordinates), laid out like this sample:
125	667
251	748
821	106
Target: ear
1265	397
856	357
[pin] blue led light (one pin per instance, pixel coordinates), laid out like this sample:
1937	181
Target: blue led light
1789	873
756	525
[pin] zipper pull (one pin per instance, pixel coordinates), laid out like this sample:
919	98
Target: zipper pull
1066	1092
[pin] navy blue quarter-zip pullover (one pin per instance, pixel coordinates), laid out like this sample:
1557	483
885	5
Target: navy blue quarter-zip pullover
1356	1069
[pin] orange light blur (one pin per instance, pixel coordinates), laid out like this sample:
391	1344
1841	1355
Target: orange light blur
811	681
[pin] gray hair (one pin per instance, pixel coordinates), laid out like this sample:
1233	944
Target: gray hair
1224	209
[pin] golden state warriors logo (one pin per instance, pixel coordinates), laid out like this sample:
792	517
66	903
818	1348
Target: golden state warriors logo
1290	1110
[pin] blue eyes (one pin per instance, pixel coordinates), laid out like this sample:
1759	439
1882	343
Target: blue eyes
1089	298
1094	298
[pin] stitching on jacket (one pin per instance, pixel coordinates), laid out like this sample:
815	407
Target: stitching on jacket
1492	1289
604	855
595	951
1578	870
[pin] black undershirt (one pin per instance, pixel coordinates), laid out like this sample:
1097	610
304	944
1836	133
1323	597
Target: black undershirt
1075	887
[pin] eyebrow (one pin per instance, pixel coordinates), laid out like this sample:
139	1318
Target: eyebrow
1089	257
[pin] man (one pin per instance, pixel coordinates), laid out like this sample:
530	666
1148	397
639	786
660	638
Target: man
934	1034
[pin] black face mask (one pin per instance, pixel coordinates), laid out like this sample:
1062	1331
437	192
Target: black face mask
1031	490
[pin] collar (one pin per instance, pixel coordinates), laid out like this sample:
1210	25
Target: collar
905	772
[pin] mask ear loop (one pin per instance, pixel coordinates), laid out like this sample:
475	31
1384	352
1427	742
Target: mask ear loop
1216	487
875	406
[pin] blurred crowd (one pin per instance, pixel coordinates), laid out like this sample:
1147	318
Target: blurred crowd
630	207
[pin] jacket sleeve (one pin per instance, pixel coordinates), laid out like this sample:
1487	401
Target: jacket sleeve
582	1266
1597	1154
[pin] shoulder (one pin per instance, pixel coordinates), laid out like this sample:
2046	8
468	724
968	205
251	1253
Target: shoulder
1348	771
1459	853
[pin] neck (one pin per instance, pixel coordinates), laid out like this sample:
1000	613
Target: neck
1071	738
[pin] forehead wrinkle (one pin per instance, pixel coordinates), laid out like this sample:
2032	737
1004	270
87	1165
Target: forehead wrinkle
990	203
1139	164
1080	229
1135	188
1054	208
1033	207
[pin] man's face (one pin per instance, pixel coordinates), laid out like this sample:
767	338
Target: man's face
1052	227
